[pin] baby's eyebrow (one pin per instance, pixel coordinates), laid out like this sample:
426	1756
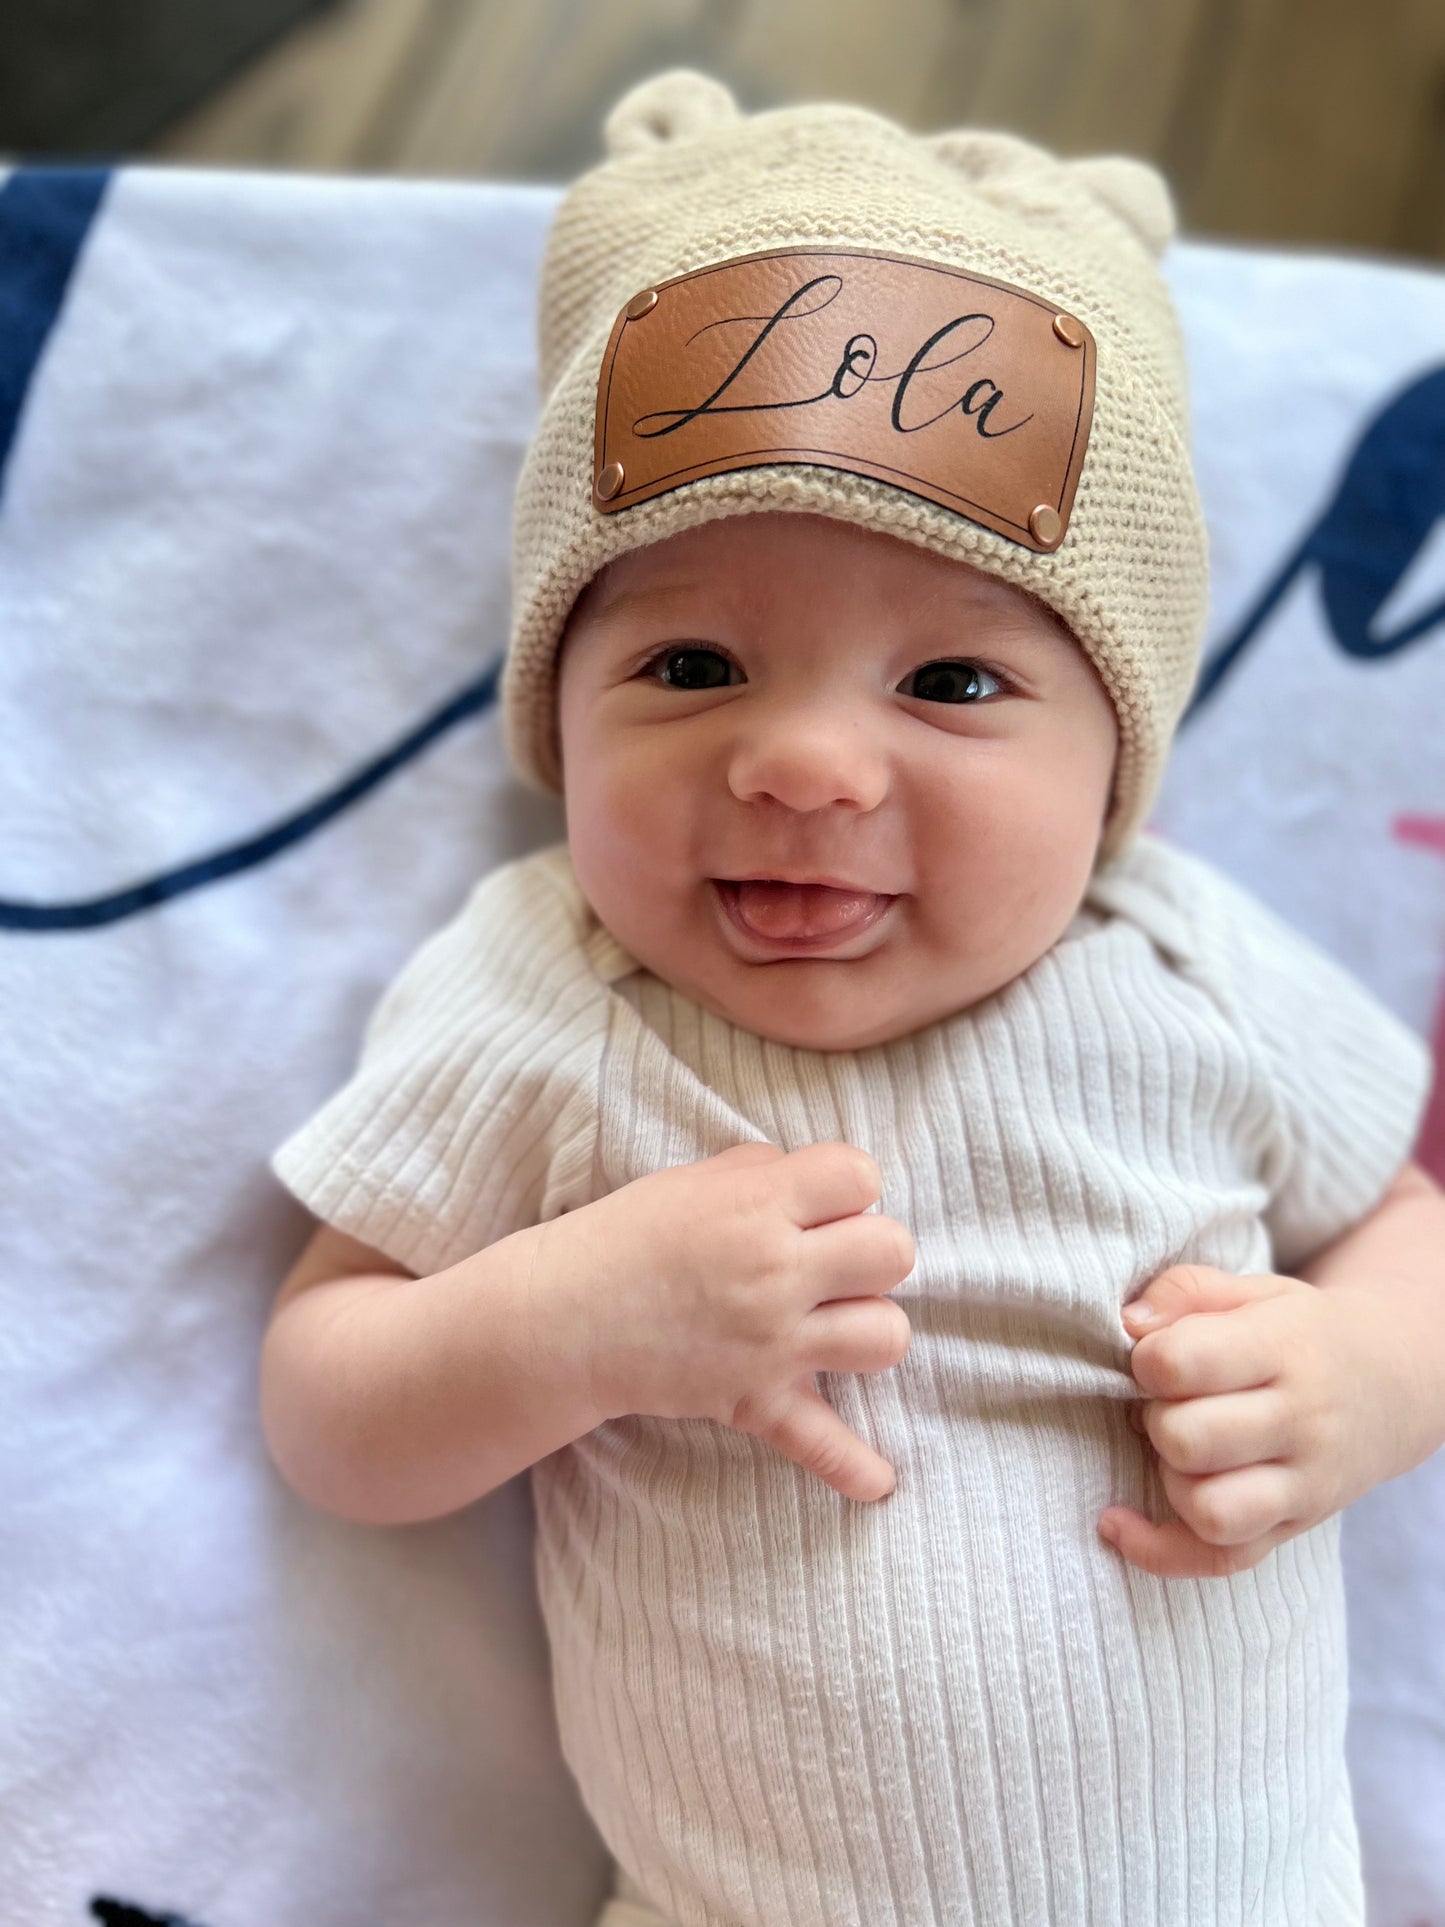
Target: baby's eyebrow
683	599
648	598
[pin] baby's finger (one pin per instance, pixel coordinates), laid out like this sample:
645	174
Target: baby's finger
1172	1551
864	1335
1185	1289
828	1181
1218	1434
855	1257
1231	1351
807	1430
751	1151
1232	1508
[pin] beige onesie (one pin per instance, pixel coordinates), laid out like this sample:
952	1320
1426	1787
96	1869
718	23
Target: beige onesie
956	1706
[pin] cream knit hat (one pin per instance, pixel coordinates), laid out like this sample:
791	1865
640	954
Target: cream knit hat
690	181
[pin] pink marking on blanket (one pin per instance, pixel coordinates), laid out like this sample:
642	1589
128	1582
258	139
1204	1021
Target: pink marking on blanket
1428	833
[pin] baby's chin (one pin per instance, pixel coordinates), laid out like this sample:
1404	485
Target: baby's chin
816	1004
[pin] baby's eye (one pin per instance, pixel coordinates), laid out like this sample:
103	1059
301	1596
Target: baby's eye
952	682
691	668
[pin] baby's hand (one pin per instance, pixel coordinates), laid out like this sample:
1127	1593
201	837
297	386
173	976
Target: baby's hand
721	1287
1270	1410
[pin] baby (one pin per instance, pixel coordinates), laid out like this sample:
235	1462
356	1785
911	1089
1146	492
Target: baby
859	585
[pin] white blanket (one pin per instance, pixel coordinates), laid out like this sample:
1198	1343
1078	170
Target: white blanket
257	442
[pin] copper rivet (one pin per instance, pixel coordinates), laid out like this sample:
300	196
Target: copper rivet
641	304
1069	331
610	480
1043	522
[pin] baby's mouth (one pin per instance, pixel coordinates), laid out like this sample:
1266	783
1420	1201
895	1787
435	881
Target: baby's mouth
799	913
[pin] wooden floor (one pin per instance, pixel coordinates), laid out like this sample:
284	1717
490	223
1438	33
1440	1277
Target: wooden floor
1317	121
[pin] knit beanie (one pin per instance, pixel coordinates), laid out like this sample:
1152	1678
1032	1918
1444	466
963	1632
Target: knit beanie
1061	256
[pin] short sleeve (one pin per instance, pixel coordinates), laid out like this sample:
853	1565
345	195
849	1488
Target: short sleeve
473	1109
1346	1081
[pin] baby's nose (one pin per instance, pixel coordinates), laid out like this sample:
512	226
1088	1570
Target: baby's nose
809	764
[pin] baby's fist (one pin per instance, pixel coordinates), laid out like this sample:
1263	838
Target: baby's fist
722	1287
1268	1410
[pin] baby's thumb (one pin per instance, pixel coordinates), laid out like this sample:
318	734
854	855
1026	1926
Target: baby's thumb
742	1155
1185	1289
807	1430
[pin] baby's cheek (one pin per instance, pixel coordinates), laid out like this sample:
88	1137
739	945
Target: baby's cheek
1006	882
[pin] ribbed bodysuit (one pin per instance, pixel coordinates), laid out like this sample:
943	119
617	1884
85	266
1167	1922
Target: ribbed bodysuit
955	1707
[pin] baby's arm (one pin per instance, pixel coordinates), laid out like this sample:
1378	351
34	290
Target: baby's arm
389	1399
709	1290
1393	1264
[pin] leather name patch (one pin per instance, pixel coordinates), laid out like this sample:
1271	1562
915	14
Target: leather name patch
969	392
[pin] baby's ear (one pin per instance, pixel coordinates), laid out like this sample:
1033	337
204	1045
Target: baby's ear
1136	192
674	106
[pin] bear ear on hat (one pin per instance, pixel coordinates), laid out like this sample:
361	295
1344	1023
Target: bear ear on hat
983	155
1016	174
674	106
1134	191
1011	173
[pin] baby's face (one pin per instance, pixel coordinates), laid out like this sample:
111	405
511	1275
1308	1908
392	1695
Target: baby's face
774	703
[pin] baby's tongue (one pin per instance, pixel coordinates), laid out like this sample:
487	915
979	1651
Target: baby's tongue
800	909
